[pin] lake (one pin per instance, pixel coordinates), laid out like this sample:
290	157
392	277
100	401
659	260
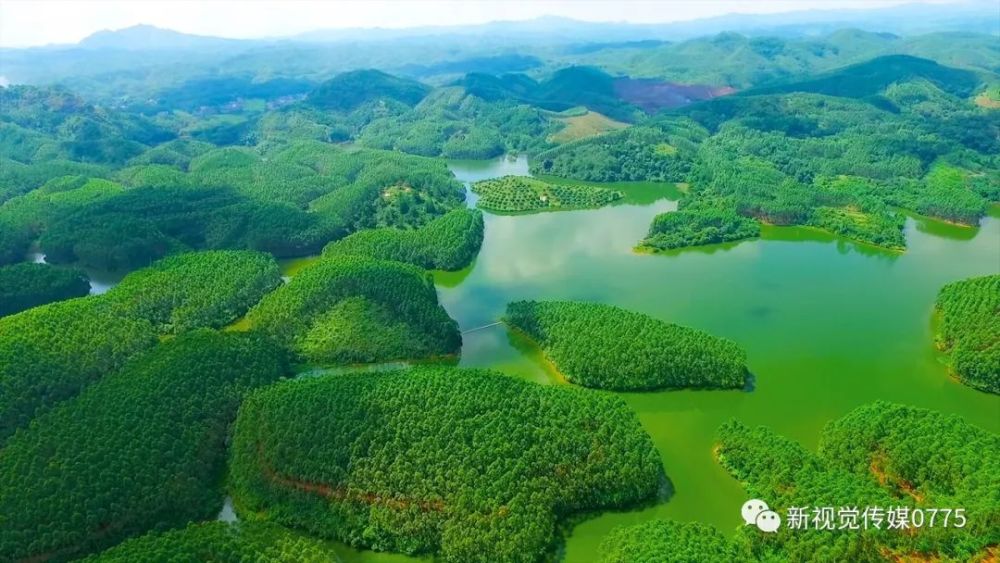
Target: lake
828	325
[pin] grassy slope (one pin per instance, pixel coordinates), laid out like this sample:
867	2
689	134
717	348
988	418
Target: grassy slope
586	125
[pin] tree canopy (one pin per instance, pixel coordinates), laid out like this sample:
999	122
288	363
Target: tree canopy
196	290
353	309
607	347
877	458
23	286
449	242
513	194
469	465
141	449
221	542
49	353
970	330
666	541
879	455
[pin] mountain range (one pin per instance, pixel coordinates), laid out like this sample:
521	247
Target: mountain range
975	16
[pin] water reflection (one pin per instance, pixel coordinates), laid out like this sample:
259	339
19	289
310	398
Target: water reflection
101	281
828	325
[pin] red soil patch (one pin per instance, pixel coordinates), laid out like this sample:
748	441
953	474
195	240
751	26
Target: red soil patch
652	95
877	470
343	494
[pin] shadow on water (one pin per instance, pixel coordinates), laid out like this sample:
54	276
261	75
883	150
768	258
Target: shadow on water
100	280
566	526
943	229
843	245
706	249
760	312
445	278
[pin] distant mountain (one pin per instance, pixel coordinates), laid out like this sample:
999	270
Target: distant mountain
566	88
970	16
618	97
137	64
498	64
349	90
742	61
873	77
978	16
217	91
148	37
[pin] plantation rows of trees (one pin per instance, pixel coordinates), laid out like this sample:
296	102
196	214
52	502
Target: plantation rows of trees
221	542
116	410
49	353
450	242
640	153
607	347
667	541
879	455
27	285
142	449
352	309
970	330
289	201
514	194
697	225
197	289
769	153
469	465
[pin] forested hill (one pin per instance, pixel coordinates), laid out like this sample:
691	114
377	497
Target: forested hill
617	96
903	125
349	90
838	152
176	176
53	123
874	76
566	88
878	455
746	61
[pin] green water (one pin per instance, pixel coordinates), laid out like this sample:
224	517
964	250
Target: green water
827	324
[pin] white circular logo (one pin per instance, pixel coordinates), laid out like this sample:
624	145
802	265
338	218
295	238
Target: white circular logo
751	509
768	521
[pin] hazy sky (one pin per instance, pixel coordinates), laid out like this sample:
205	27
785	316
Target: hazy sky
40	22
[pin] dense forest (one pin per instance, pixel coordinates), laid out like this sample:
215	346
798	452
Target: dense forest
697	225
220	542
27	285
196	290
839	152
49	353
289	201
607	347
515	194
879	455
970	330
354	309
666	541
141	449
468	464
449	242
175	171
